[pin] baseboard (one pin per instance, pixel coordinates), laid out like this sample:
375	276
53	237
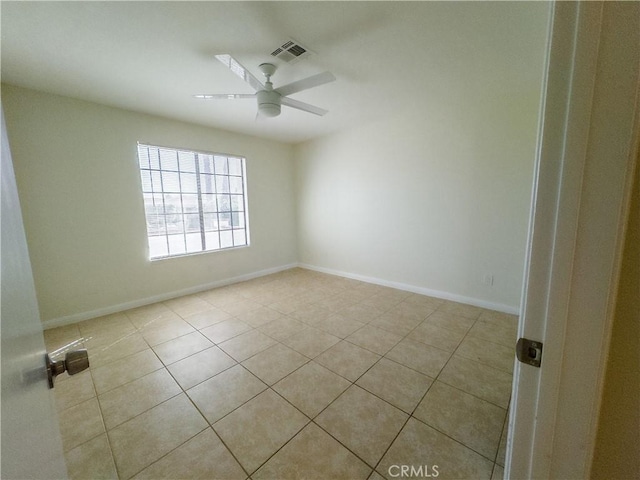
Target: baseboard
79	317
476	302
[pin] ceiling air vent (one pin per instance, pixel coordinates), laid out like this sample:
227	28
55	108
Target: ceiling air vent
291	52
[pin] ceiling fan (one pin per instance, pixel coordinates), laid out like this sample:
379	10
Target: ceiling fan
270	100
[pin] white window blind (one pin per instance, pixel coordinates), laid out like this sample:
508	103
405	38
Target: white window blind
194	201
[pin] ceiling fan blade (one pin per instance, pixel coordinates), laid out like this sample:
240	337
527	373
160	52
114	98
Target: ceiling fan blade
224	96
237	68
290	102
306	83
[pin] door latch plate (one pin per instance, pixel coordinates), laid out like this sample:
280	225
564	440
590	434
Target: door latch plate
529	352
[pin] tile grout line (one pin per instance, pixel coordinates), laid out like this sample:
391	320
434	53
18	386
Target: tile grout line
352	383
454	353
503	432
411	415
270	387
311	420
468	393
333	293
183	391
106	431
210	425
238	363
167	453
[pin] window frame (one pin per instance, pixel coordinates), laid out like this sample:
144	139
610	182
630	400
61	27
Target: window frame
209	184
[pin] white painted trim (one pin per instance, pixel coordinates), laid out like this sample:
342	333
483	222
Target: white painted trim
476	302
573	256
551	246
79	317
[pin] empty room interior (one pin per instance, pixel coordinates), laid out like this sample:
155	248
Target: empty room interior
291	236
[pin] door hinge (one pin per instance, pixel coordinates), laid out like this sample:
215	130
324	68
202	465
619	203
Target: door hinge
529	351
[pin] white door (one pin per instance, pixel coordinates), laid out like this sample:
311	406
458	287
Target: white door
31	443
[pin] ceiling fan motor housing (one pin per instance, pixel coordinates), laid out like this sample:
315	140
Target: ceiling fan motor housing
268	103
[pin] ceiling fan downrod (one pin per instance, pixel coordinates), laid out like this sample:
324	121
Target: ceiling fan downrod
268	100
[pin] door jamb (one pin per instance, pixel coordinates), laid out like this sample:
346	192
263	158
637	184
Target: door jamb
545	440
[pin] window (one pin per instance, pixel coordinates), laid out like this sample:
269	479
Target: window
194	201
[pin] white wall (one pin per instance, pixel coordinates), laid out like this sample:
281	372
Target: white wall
433	198
79	186
437	196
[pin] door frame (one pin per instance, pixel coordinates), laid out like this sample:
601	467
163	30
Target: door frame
576	233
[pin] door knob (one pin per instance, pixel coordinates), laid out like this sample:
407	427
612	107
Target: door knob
74	362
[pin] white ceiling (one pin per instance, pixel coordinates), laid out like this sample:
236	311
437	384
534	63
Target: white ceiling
152	56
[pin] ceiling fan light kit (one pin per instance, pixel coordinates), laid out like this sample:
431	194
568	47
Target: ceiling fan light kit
270	100
268	103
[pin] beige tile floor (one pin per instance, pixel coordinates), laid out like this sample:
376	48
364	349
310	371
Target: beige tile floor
289	376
